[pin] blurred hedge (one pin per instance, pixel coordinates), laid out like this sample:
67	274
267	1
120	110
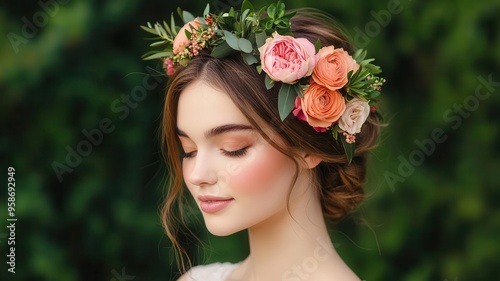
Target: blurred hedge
69	66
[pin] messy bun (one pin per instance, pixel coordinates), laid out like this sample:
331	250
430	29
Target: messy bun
340	183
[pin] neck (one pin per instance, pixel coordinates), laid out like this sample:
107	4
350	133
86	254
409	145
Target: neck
293	245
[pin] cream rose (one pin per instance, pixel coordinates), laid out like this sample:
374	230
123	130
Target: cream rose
354	116
332	67
322	107
181	40
287	59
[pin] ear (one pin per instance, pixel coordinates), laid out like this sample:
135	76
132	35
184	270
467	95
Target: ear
311	160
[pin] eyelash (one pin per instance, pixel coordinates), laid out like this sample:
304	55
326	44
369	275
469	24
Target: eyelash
236	153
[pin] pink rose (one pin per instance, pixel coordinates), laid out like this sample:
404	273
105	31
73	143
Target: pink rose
287	59
181	40
320	106
354	116
332	67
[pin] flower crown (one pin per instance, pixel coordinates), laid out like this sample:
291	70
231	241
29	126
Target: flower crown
326	87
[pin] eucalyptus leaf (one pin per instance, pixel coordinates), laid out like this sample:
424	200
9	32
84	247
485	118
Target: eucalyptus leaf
286	100
260	38
187	16
249	58
231	40
348	147
245	45
202	21
222	50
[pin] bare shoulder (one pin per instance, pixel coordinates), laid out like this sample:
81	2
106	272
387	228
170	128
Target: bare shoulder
184	277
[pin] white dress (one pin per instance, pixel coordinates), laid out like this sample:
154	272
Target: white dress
211	272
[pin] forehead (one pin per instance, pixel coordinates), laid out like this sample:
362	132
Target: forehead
202	107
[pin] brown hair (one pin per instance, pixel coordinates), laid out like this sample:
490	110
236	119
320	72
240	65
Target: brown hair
339	183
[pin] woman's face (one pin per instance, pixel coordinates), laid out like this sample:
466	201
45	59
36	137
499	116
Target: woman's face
237	179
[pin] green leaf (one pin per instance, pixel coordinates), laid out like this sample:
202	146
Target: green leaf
260	38
374	69
207	10
246	5
231	40
245	45
259	69
167	28
202	21
244	14
357	91
348	147
298	90
159	43
269	25
280	9
172	24
249	59
286	100
222	50
269	82
150	30
335	134
317	46
271	11
158	55
187	16
374	94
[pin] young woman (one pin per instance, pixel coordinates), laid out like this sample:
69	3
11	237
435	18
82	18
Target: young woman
253	161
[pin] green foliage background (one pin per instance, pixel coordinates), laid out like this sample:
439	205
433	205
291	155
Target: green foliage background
438	220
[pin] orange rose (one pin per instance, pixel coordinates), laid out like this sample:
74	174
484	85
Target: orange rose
332	67
321	106
181	40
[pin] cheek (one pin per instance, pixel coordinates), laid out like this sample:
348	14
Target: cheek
267	171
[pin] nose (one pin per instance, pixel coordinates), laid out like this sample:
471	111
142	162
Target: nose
202	172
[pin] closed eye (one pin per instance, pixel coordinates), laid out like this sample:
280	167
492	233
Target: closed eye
188	154
236	153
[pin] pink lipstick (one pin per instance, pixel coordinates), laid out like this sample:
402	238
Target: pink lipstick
213	204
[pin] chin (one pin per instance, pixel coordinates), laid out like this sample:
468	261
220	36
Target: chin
221	227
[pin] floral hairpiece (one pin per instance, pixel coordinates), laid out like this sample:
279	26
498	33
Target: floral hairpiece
331	90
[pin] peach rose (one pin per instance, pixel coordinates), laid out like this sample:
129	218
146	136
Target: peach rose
287	59
321	107
354	116
181	40
332	67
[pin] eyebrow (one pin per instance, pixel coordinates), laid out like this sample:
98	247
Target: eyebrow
219	130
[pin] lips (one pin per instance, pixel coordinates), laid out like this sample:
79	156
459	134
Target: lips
213	204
